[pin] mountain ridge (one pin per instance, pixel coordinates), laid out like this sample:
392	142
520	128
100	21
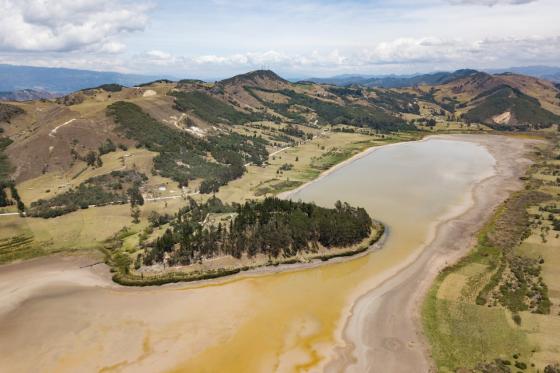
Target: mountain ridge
64	131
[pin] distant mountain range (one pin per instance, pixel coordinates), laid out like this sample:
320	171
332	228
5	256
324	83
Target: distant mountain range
399	81
61	80
395	81
26	95
20	83
542	72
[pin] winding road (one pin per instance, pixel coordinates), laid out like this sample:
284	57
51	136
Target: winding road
53	131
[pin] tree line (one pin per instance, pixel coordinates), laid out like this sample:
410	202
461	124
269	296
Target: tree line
116	187
15	198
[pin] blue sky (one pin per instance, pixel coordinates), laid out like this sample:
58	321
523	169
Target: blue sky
218	38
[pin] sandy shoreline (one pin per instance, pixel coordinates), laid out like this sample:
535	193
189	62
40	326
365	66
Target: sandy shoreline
382	331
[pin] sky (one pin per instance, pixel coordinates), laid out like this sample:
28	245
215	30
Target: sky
296	38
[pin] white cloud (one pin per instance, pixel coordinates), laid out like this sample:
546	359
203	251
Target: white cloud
399	51
428	53
401	55
157	54
68	25
458	51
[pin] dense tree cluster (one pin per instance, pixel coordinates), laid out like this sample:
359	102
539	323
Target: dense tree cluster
294	131
272	227
15	198
115	187
211	109
183	157
107	147
93	159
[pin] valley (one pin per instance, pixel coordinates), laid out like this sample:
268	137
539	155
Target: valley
318	213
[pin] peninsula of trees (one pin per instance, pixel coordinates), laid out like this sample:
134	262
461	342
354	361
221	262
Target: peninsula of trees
272	227
247	236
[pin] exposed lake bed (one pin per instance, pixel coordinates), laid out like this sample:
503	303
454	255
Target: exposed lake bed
432	195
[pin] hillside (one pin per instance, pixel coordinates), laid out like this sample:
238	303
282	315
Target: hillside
536	101
507	106
468	87
163	117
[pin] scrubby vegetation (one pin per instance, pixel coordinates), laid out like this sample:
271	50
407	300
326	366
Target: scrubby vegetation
399	102
154	82
190	81
7	185
5	166
211	109
111	87
183	157
115	187
8	112
345	92
333	113
293	130
273	227
526	111
18	247
107	147
516	283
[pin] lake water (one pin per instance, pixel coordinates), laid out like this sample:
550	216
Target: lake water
407	186
277	322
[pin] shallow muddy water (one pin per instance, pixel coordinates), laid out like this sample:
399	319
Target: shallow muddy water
275	322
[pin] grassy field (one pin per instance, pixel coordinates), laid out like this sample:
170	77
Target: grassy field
471	317
81	230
